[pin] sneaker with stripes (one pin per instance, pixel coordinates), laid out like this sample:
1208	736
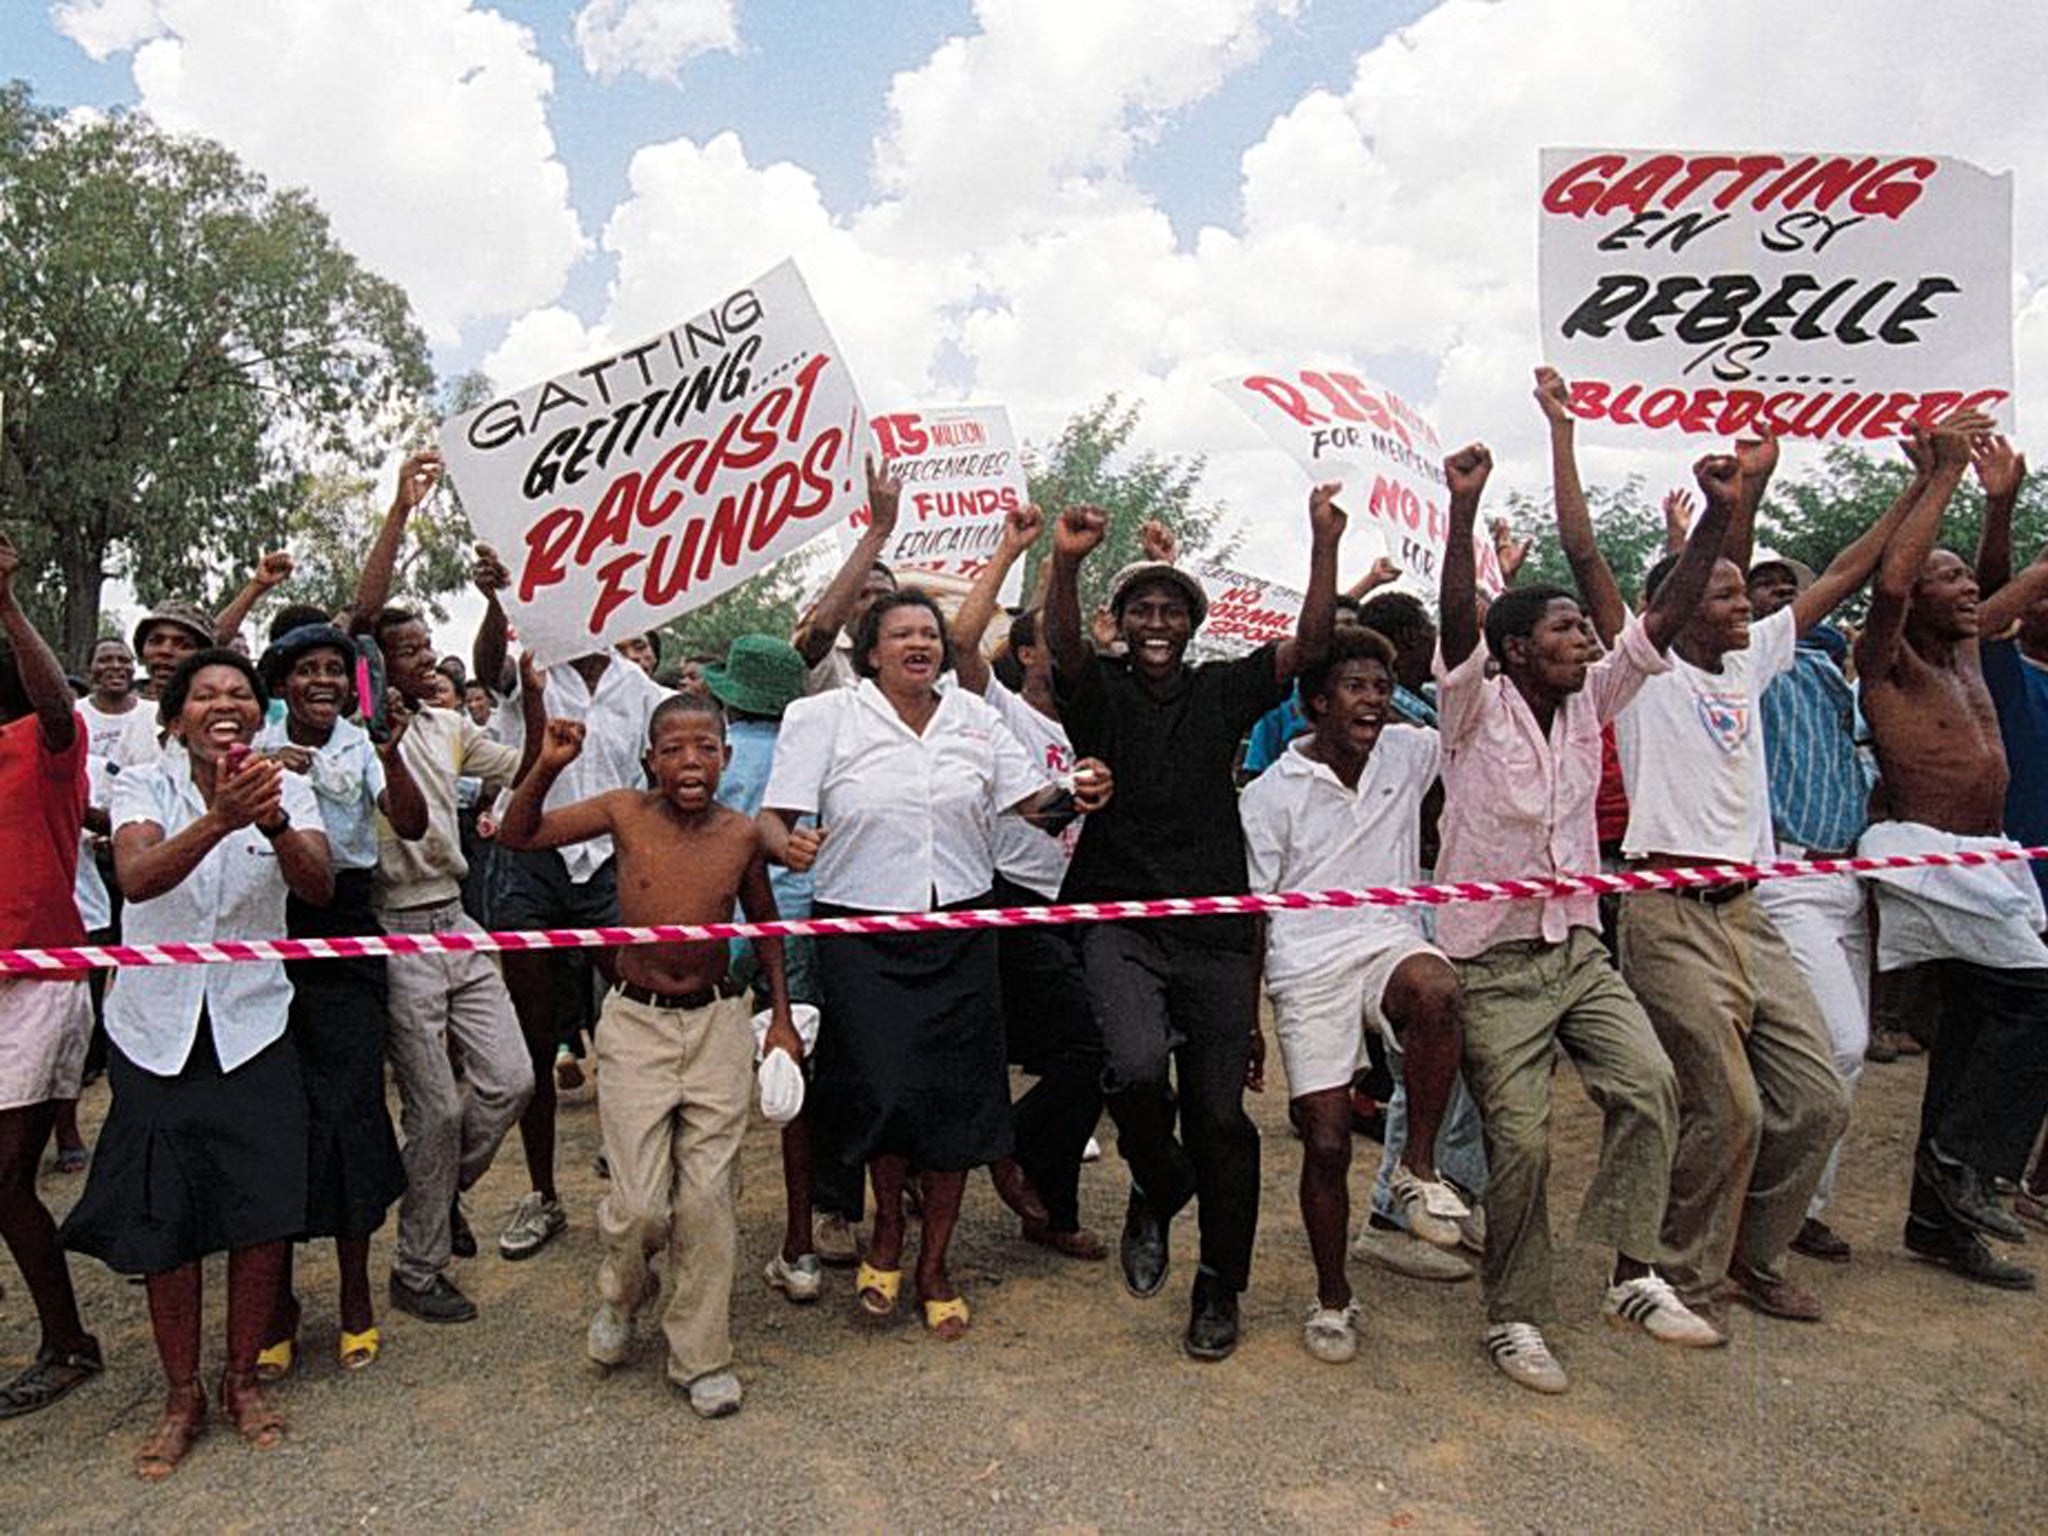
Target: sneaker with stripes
1519	1353
1648	1302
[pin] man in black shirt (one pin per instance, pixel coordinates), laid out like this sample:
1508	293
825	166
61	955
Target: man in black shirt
1179	990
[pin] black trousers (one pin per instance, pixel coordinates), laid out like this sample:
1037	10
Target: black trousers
1168	992
1987	1074
1049	1022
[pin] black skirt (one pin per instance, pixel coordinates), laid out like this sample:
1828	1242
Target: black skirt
910	1058
204	1162
353	1170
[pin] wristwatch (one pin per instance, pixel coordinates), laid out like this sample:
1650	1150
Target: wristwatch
282	825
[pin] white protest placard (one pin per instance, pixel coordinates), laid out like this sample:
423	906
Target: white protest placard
1828	296
1385	453
1244	611
961	475
646	483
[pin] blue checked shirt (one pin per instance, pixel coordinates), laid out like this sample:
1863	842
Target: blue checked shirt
1820	792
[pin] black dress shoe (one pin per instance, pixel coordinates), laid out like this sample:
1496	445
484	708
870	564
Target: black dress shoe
1965	1253
440	1302
1212	1320
1818	1240
1964	1195
1143	1248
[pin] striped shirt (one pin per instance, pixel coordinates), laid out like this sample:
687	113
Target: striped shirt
1820	794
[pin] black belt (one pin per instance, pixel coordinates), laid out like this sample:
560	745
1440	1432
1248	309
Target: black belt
1713	895
680	1001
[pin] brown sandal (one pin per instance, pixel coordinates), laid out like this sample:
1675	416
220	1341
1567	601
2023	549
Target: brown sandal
183	1422
255	1420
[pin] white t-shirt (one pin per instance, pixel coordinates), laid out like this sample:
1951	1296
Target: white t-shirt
1692	752
906	815
1304	831
105	732
1027	855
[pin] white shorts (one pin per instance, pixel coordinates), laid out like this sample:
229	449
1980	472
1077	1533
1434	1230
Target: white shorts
1321	1018
45	1027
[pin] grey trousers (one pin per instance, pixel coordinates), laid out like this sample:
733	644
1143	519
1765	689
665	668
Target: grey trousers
450	1128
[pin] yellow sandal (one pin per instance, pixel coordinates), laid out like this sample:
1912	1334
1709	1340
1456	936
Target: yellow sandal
275	1363
359	1349
883	1283
947	1319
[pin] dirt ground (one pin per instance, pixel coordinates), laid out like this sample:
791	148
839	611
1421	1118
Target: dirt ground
1922	1403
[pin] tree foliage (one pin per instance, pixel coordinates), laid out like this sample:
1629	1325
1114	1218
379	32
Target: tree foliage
177	343
1091	462
1810	517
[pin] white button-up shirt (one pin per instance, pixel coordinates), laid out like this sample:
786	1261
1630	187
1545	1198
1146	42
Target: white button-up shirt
236	892
906	815
1305	831
615	717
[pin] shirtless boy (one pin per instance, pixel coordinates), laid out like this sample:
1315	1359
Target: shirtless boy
1943	790
674	1046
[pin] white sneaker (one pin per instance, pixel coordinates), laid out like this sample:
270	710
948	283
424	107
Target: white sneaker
1092	1153
833	1237
610	1335
1519	1353
1431	1207
1331	1334
1648	1302
536	1222
716	1395
1405	1255
800	1279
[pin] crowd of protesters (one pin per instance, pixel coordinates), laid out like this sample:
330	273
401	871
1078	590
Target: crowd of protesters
885	759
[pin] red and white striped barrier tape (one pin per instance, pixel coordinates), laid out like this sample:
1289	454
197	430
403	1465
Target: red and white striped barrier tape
228	951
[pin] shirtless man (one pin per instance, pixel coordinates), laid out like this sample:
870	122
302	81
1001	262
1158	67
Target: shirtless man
674	1047
1943	790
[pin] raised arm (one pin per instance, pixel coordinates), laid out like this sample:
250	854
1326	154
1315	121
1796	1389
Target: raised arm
1598	589
2001	472
525	825
1021	529
1458	590
1720	478
1384	573
402	803
1940	456
1076	534
1318	620
487	656
272	571
1755	459
1679	509
814	636
42	674
417	477
1847	572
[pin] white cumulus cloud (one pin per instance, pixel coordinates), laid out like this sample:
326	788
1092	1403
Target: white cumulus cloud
419	125
107	27
655	38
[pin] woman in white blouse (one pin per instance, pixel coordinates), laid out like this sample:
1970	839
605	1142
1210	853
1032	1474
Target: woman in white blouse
906	781
204	1146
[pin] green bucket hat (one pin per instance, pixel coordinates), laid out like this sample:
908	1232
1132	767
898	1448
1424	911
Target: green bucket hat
762	676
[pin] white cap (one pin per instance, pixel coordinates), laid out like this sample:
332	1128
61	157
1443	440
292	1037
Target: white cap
780	1083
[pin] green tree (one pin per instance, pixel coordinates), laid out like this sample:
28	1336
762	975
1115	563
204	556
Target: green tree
1627	521
767	604
1091	462
179	341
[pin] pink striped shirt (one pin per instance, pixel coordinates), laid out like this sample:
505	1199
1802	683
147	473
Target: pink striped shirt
1517	804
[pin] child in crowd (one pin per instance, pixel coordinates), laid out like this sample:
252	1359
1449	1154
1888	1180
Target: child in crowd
675	1047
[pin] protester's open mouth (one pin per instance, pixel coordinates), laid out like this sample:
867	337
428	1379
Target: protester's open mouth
224	730
1156	650
323	698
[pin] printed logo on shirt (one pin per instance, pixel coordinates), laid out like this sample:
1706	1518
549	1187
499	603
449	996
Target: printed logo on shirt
1726	717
